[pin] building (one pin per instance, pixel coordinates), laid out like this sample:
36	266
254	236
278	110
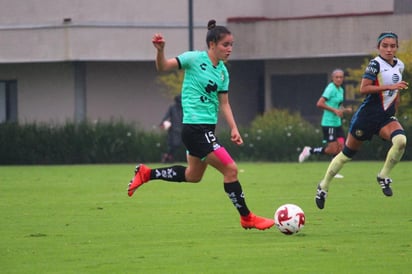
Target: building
76	60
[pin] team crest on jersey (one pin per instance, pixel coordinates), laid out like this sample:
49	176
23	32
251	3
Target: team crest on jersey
359	133
395	78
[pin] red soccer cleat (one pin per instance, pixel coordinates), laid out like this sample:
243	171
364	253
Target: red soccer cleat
253	221
141	176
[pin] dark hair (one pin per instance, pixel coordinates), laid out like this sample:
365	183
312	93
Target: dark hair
215	33
384	35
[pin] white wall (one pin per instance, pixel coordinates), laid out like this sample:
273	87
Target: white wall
317	37
33	30
173	12
113	38
45	91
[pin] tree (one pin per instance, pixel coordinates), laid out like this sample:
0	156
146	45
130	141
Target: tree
172	82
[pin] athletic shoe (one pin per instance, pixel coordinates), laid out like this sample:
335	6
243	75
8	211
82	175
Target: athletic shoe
320	197
253	221
385	185
141	176
304	154
338	176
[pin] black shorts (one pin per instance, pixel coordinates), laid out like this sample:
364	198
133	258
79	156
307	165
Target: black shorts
364	125
331	134
199	140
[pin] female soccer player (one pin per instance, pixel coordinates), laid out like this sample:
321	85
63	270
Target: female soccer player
381	83
204	92
331	104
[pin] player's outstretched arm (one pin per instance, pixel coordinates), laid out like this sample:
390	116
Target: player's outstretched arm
162	64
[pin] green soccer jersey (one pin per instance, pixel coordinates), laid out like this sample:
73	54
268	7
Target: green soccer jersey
201	85
334	99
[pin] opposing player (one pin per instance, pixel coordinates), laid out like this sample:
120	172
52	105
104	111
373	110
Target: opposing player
204	92
381	83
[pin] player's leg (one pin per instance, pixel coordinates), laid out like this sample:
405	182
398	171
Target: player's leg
334	138
332	148
192	137
335	145
223	162
329	147
335	141
144	174
329	142
351	147
196	168
394	132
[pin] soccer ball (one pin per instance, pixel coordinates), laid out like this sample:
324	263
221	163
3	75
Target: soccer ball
289	219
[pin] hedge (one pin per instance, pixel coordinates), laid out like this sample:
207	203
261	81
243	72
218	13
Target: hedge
276	136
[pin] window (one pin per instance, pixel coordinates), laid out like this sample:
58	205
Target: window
300	93
8	101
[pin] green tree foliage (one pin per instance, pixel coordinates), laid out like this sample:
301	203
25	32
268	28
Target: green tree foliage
405	108
171	82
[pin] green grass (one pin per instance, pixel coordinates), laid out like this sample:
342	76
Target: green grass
79	219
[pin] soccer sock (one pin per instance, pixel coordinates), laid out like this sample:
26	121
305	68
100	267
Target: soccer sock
335	165
171	174
394	155
317	150
235	194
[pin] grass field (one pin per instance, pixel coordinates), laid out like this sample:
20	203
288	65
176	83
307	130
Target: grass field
79	219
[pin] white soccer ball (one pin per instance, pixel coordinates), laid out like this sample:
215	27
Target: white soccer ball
289	219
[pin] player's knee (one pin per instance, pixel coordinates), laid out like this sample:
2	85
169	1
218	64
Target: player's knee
399	141
193	176
349	153
230	173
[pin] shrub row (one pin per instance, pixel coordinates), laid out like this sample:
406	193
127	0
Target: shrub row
276	136
106	142
280	135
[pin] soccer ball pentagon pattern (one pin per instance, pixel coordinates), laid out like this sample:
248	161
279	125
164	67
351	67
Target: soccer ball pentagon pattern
289	219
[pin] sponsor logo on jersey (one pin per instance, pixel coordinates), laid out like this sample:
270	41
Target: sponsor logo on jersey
359	133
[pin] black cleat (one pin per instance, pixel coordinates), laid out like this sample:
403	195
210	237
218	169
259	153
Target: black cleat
320	197
385	185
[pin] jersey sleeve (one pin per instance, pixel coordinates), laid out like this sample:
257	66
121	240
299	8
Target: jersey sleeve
225	83
327	92
186	59
372	70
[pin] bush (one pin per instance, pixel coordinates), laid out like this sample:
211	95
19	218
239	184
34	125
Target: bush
276	136
102	142
280	135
